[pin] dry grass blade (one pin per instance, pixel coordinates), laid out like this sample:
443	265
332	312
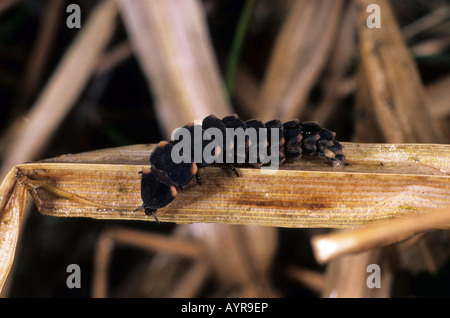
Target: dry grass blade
431	47
395	86
113	57
189	285
382	181
168	274
426	22
148	241
171	41
365	112
338	65
151	241
440	97
56	99
313	279
245	266
298	57
13	197
330	246
346	277
36	65
6	4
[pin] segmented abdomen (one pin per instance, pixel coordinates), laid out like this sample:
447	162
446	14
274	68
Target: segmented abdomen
160	183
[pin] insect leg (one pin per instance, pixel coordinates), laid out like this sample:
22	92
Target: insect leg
147	211
152	212
233	169
198	178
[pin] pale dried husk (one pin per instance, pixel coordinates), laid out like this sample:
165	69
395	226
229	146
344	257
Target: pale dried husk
381	181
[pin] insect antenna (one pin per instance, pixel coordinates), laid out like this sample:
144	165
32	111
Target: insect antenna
147	211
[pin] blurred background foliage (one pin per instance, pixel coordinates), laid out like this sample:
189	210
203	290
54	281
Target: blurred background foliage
117	107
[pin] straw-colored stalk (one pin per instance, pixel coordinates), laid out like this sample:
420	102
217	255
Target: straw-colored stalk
396	90
171	41
382	181
147	241
330	246
28	138
13	197
296	61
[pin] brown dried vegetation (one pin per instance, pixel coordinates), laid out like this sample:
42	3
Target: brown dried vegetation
313	60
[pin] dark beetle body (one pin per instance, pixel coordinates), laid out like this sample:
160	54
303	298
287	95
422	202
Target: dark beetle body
161	182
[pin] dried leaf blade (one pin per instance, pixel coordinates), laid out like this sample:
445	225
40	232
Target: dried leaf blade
382	181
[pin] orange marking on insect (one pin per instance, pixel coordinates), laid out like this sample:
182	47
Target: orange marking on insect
146	170
173	191
194	168
163	144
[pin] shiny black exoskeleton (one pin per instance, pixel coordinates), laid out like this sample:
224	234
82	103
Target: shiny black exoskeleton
161	183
